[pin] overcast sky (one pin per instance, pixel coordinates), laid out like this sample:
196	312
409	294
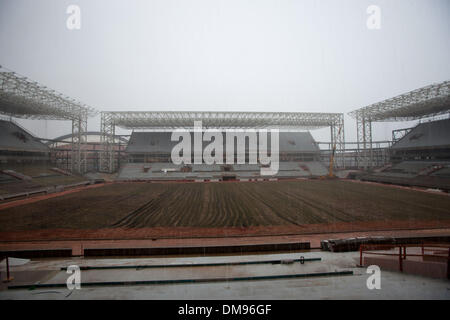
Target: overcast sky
257	55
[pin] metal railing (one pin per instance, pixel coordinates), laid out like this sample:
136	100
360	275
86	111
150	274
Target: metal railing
402	253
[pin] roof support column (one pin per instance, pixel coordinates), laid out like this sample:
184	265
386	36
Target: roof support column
337	139
364	137
107	130
79	139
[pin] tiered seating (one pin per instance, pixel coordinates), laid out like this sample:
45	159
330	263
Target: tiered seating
146	171
413	168
40	175
292	174
316	168
30	170
429	174
168	171
444	172
157	146
161	167
5	178
246	167
131	171
435	134
290	166
247	174
14	138
206	168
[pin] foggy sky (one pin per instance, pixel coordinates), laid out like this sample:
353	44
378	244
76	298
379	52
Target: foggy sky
212	55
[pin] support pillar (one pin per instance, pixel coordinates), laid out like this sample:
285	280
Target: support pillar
107	127
79	139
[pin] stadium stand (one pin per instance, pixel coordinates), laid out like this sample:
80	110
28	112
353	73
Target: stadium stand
149	158
25	163
206	168
294	142
316	168
18	146
246	167
290	166
443	172
421	158
426	135
427	141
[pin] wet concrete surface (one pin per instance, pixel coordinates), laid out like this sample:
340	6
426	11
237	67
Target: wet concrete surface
393	284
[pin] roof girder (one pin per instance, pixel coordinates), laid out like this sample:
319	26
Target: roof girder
424	102
23	98
221	119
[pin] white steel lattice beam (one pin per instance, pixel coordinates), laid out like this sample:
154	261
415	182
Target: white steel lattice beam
24	98
338	138
429	101
364	139
425	102
107	131
161	120
79	139
178	119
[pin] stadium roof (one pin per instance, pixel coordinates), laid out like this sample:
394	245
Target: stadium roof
24	98
226	119
425	102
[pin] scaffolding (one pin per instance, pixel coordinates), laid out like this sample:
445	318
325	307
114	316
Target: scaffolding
164	120
23	98
429	101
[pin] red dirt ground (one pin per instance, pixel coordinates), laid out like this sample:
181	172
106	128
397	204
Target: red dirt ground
193	233
289	208
314	239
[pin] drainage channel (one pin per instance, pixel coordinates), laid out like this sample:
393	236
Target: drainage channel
185	281
302	260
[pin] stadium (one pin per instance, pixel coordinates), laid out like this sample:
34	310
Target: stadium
96	194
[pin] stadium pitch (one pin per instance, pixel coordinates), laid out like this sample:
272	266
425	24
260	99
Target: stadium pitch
123	210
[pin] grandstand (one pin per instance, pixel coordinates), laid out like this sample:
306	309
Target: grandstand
17	145
427	141
149	157
21	97
25	165
426	102
169	120
420	158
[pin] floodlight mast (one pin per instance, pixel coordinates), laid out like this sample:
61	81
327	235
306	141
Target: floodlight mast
429	101
26	99
163	120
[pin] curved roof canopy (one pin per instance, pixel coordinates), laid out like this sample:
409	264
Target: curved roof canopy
24	98
425	102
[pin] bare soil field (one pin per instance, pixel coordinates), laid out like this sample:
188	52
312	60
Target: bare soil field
144	210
